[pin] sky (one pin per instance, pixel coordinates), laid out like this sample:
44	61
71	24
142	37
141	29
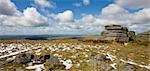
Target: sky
40	17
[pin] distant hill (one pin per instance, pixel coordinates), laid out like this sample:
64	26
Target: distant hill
145	33
145	36
20	37
37	37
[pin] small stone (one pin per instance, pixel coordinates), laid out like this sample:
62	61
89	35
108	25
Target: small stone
44	58
67	63
125	44
11	59
92	54
86	56
39	67
101	57
77	65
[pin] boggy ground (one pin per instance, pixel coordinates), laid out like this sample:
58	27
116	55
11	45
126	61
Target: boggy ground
82	56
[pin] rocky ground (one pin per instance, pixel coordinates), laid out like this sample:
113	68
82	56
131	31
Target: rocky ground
73	55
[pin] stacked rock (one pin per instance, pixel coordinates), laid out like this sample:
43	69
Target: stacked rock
117	33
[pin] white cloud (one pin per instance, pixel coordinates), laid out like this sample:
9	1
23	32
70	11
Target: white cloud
34	17
116	14
88	18
66	16
112	14
86	2
45	3
29	17
8	8
133	4
113	9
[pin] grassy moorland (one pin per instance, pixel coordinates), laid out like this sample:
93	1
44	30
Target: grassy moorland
82	54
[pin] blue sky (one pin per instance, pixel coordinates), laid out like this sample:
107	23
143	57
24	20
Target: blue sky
94	8
30	17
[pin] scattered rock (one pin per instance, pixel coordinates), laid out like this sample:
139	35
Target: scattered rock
101	63
24	58
101	57
92	54
44	58
53	63
128	67
36	67
10	59
67	63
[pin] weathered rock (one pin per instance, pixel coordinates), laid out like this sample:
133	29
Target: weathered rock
131	34
100	63
125	29
101	57
113	25
44	58
24	58
114	28
113	31
39	67
110	38
128	67
53	63
67	63
123	39
40	59
10	59
53	60
92	54
116	33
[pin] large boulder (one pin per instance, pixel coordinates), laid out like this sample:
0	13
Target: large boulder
114	28
117	31
103	33
131	35
111	38
115	35
123	39
125	29
118	39
112	25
